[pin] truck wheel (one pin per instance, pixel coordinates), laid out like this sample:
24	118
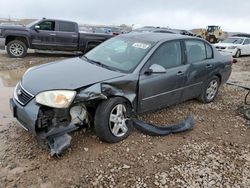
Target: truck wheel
111	121
17	49
237	54
210	90
212	39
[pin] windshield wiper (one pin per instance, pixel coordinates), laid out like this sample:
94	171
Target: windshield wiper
99	63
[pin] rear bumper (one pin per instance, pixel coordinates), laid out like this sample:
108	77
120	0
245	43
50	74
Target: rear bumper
26	115
226	74
2	43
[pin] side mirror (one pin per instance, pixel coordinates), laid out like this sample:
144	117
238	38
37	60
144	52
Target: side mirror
37	27
158	69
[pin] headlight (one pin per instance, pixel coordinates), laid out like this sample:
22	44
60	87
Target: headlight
232	47
56	98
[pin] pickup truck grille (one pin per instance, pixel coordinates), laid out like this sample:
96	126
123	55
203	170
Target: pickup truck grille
22	96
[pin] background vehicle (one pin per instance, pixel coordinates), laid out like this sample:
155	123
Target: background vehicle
153	30
163	30
47	34
212	34
236	46
136	73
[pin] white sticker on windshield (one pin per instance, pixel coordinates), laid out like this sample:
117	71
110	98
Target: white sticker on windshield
141	45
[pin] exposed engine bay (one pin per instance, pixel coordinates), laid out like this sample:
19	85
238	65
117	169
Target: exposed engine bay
53	126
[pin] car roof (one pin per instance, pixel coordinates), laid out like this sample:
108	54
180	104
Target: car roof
56	20
156	37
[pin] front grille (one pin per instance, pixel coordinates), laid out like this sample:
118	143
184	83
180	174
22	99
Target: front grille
22	96
219	47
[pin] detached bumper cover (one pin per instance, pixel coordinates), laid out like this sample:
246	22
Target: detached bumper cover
165	130
26	115
2	43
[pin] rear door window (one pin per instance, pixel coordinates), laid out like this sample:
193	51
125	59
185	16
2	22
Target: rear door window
67	27
196	51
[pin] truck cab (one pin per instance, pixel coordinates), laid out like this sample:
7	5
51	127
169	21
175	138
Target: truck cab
54	35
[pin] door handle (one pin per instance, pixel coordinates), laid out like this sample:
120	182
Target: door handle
209	66
180	73
74	36
52	34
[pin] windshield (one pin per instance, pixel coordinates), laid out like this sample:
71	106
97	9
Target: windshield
32	23
120	53
233	40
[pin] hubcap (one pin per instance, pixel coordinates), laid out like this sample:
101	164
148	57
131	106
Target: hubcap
16	49
117	121
212	89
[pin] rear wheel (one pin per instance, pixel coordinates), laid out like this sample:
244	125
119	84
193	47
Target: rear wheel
17	49
112	120
210	91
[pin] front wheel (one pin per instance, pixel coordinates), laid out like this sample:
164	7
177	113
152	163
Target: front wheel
237	54
212	39
17	49
112	122
210	91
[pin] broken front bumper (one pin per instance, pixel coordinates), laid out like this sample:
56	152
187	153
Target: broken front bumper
26	115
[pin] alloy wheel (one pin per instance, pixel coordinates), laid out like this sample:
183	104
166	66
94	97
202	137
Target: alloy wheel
212	89
117	121
16	49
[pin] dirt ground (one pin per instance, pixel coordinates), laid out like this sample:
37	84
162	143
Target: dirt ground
215	154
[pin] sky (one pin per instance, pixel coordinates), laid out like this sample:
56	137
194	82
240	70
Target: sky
231	15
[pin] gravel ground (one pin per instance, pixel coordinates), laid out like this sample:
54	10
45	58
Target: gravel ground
215	154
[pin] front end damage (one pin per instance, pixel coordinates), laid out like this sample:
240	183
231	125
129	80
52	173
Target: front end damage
53	125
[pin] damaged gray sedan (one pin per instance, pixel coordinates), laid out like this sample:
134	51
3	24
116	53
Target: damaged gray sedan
108	86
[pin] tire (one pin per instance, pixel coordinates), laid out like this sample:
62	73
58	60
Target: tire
105	127
210	90
237	54
17	49
212	39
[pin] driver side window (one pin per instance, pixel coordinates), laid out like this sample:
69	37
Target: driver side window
168	55
47	26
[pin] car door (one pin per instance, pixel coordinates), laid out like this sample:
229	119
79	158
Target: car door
164	88
246	47
43	35
199	57
67	36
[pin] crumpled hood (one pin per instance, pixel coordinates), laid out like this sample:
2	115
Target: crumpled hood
68	74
